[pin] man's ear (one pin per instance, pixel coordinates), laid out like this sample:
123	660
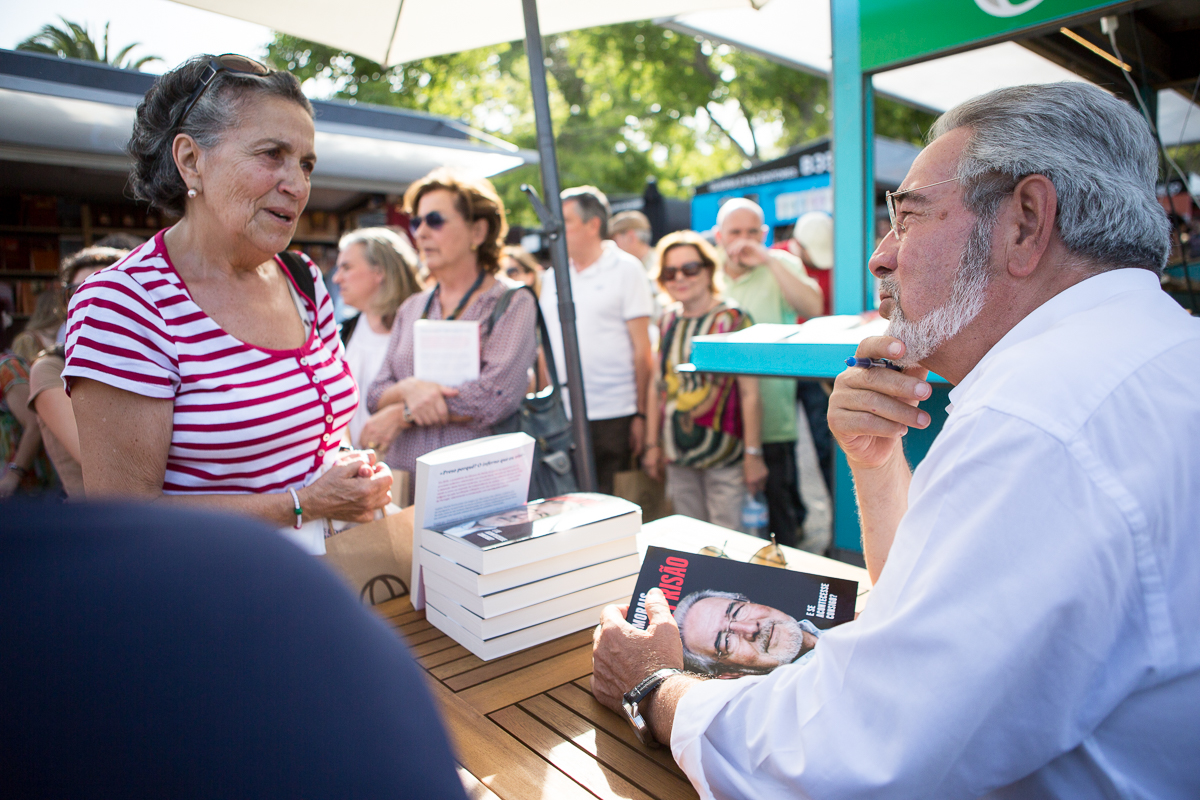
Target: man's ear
1027	224
187	154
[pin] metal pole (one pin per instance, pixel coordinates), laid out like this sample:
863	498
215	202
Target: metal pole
585	465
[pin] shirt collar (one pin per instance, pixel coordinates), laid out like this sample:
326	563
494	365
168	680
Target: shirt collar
1085	294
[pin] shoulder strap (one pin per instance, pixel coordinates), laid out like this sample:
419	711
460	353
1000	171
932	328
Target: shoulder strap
348	329
300	274
541	332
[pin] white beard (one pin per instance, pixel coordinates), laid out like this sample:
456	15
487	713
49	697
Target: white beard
923	337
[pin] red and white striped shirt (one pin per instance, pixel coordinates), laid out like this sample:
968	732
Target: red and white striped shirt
247	419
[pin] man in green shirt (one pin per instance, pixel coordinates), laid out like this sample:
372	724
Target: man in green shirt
771	286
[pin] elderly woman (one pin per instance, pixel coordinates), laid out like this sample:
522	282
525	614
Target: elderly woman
459	228
198	366
376	272
706	429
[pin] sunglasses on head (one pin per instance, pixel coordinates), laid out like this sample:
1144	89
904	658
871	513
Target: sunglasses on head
769	556
433	219
690	270
230	62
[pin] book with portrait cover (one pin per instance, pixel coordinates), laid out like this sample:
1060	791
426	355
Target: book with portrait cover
737	618
534	531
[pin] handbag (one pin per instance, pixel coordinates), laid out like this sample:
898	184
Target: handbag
542	415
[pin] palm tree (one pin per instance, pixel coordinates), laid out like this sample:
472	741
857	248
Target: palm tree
75	41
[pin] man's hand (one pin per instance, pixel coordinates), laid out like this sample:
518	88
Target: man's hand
870	409
747	253
623	656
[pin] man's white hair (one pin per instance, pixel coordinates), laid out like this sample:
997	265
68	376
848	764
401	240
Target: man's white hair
738	204
1095	148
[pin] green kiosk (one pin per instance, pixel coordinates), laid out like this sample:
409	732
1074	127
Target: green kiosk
873	36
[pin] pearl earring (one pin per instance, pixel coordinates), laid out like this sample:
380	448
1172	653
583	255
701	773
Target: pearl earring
192	193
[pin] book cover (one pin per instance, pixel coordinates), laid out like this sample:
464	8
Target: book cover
517	640
535	531
737	618
468	480
537	518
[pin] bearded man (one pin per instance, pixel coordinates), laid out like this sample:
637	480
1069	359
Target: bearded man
1031	630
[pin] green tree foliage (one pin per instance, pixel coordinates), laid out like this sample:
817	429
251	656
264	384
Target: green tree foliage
75	41
628	101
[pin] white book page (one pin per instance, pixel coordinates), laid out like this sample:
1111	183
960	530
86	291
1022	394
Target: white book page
446	351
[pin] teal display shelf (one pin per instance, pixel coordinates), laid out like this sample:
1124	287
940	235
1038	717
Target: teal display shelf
817	349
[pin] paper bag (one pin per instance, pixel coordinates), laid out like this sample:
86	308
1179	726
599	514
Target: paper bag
375	558
637	487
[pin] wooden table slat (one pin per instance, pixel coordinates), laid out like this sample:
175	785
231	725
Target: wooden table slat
450	654
534	679
497	759
486	670
596	777
588	707
414	626
432	646
474	789
631	762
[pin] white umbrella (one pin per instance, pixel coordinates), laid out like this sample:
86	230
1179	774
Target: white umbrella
397	31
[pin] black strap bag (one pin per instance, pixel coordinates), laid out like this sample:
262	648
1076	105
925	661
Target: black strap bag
542	415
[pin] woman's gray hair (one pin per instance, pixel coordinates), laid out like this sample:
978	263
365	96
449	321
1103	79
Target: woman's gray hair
390	254
697	662
155	177
1095	148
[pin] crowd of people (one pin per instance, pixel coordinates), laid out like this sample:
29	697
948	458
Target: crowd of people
207	366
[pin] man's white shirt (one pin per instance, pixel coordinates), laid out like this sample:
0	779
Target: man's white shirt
607	294
1033	633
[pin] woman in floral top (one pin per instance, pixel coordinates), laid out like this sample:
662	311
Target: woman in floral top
704	428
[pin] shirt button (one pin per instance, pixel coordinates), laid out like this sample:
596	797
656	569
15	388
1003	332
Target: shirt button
303	360
325	437
324	398
329	417
320	452
315	379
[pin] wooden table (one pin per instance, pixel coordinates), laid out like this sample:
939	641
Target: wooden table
526	726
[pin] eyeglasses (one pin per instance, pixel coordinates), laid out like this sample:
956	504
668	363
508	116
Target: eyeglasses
690	270
897	228
230	62
513	272
769	556
433	219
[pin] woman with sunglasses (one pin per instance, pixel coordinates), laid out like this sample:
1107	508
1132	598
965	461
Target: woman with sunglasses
704	428
459	228
201	367
520	265
376	272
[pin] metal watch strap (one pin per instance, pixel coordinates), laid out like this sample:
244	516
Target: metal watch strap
633	699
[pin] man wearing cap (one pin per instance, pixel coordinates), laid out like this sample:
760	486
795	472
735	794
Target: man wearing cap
631	231
772	286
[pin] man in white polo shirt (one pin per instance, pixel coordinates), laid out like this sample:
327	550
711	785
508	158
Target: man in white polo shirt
613	306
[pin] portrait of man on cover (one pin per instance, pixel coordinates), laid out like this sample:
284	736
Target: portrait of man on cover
727	635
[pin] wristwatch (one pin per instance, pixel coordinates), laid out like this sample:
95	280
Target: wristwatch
635	696
752	451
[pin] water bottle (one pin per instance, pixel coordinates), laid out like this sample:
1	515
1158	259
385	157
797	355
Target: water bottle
754	515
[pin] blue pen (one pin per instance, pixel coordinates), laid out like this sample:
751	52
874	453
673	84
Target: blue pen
867	363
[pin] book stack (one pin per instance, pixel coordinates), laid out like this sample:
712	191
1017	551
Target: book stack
530	574
513	575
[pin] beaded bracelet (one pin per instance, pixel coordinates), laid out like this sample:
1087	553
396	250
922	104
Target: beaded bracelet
298	510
